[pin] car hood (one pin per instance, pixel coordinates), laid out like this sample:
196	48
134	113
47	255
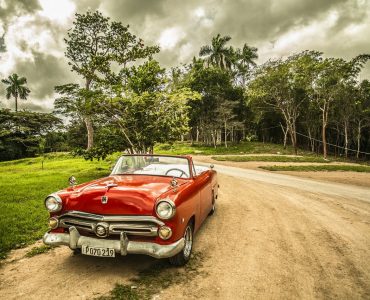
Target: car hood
125	194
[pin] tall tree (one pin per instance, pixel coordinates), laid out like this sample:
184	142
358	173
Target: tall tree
331	75
245	61
281	85
217	54
16	88
93	44
362	112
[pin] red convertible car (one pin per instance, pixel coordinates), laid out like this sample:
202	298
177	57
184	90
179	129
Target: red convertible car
149	205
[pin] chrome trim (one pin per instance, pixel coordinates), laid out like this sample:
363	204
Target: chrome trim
58	199
103	225
169	201
80	214
74	240
131	225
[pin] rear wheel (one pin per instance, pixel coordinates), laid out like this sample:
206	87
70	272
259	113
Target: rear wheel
183	256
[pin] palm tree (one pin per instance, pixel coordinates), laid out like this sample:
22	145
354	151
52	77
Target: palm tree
16	88
217	53
246	57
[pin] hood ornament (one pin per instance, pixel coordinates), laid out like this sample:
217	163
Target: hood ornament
174	184
104	199
72	181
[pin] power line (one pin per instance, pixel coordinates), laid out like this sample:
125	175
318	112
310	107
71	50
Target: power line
336	146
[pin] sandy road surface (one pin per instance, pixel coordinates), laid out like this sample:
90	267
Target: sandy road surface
273	236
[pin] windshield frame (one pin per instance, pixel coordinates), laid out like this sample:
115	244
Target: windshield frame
191	175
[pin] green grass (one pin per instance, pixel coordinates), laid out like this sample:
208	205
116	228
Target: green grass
317	168
24	186
274	158
241	148
38	250
157	277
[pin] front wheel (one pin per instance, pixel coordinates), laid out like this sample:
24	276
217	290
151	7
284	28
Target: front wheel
213	209
181	258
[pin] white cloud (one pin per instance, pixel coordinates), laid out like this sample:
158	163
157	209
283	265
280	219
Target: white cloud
185	53
57	10
201	16
24	35
317	35
199	12
3	4
170	37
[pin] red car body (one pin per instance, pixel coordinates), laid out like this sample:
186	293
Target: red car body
133	199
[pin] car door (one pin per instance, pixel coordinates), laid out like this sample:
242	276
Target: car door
204	180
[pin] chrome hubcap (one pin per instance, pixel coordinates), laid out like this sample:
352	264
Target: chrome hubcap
188	241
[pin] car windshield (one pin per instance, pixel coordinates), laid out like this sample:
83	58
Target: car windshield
152	165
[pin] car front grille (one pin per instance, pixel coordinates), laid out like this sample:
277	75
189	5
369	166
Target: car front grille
131	225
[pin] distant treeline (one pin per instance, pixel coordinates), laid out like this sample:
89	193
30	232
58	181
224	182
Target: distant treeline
220	97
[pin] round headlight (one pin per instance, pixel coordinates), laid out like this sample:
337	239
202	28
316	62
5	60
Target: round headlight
165	209
53	203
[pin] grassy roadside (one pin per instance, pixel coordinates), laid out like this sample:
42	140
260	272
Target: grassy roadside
275	158
241	148
24	186
317	168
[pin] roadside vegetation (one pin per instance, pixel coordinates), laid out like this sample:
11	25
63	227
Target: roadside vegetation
159	276
243	147
38	250
274	158
317	168
24	186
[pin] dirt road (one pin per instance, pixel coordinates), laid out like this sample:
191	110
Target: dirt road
273	236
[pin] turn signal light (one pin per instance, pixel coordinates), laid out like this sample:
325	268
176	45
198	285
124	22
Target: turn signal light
165	232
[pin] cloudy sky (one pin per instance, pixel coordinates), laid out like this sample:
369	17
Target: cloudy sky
33	31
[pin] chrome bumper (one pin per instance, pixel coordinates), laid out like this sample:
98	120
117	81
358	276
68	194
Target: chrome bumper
123	246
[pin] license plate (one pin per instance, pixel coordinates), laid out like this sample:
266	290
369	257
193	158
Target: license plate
97	251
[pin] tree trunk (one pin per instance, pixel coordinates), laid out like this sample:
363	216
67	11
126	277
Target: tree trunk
16	104
225	135
346	138
213	138
324	150
325	112
358	139
88	122
90	132
197	135
285	132
312	142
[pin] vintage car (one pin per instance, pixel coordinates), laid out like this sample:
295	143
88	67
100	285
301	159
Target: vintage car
149	204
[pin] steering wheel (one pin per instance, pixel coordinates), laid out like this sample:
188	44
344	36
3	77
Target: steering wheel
178	170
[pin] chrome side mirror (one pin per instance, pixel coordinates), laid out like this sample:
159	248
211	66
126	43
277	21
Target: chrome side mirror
211	166
72	181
